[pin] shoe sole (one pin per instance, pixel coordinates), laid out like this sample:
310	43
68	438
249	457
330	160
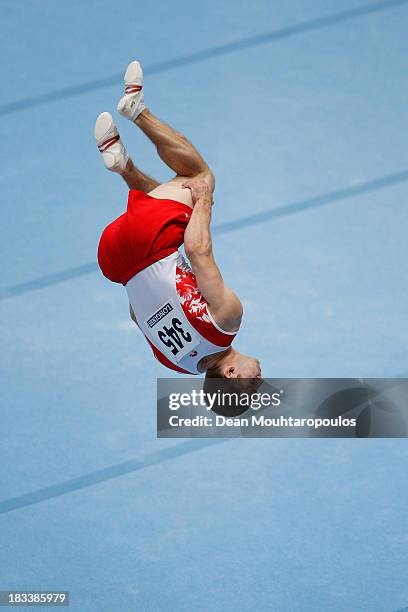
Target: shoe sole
134	74
104	123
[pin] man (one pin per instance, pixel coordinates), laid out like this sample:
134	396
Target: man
188	316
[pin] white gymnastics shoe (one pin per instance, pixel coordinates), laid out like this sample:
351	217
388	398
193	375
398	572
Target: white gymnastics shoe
114	154
132	103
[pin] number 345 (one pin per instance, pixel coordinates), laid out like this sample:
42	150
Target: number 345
173	336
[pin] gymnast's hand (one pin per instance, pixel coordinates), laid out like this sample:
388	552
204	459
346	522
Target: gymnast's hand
200	190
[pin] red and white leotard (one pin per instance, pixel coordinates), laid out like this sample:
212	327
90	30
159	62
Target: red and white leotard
174	316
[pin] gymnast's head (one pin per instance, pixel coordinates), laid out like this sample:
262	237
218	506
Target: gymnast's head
232	364
233	379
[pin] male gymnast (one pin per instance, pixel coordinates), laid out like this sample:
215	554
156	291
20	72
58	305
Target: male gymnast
188	315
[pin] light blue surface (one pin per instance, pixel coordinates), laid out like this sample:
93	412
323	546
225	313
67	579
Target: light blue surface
305	129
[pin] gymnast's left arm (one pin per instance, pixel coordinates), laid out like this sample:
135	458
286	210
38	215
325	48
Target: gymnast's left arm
225	306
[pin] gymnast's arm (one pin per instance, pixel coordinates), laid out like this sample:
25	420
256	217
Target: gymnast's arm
224	305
